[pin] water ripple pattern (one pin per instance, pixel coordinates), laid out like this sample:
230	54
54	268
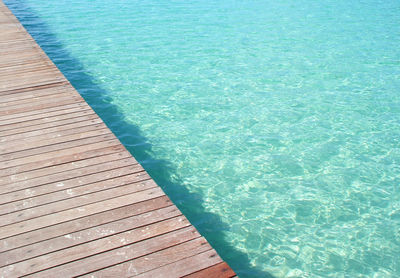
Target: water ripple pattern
282	117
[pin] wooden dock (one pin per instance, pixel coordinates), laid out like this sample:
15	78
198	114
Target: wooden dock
73	201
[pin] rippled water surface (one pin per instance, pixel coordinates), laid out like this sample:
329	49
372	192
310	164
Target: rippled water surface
273	125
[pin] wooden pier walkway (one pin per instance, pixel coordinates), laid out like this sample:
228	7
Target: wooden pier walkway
73	201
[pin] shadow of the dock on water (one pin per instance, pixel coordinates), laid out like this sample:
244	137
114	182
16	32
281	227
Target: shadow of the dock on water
208	224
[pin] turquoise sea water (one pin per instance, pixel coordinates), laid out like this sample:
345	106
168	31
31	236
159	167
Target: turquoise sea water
273	125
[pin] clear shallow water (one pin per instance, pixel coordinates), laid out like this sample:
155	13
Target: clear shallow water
274	125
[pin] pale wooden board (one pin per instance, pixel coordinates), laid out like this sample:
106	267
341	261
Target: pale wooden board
50	232
94	247
31	131
135	250
40	92
221	270
55	138
24	164
154	260
44	104
185	266
71	193
99	136
46	118
37	117
40	186
75	213
40	113
76	202
82	236
54	159
109	154
29	99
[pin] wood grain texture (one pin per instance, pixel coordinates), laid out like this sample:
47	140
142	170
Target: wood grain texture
221	270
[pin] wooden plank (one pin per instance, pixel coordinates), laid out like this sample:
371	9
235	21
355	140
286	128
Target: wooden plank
11	46
71	214
57	157
108	154
27	80
44	104
39	92
55	138
76	202
185	266
12	36
59	115
137	249
94	247
15	52
82	236
74	192
24	68
22	81
60	84
221	270
33	83
28	69
11	62
154	260
77	110
42	113
31	131
68	179
62	157
63	180
24	103
17	45
71	183
12	158
16	62
68	227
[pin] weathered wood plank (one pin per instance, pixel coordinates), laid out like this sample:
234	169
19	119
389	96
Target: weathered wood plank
127	252
55	138
76	202
154	260
185	266
221	270
58	230
107	154
32	153
73	192
39	92
31	131
94	247
59	181
44	104
57	157
22	81
82	236
42	113
63	157
60	84
71	214
11	63
24	103
27	70
59	115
